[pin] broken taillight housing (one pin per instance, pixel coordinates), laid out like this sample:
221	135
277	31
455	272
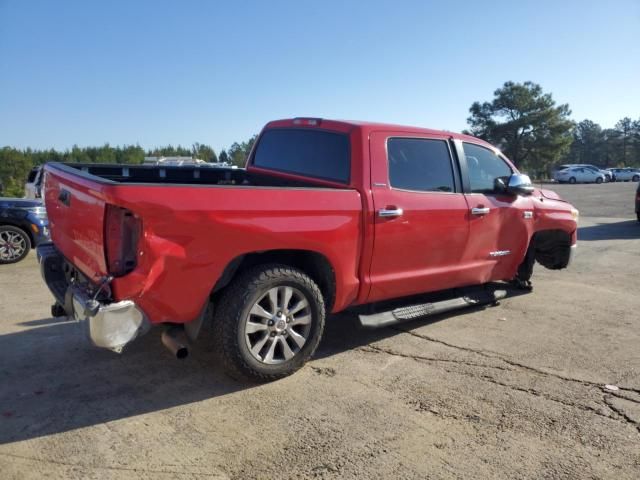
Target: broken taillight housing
122	230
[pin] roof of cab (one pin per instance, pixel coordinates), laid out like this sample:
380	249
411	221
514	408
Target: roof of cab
367	127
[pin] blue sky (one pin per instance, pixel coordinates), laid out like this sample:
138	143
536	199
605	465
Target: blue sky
160	72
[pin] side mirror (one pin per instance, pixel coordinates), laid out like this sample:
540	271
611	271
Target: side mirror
520	184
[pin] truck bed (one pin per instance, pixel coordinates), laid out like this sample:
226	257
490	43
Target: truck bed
196	221
177	175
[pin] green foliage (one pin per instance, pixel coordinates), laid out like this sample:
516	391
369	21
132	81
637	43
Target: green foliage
525	123
15	164
611	147
239	152
14	167
203	152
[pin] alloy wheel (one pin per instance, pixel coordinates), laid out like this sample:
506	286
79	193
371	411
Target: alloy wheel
12	245
278	325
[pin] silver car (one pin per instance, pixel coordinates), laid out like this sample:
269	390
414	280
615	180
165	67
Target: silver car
626	174
579	175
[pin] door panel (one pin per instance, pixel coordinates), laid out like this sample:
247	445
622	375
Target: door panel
421	246
499	232
499	238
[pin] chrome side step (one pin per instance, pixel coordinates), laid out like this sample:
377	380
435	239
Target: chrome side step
404	314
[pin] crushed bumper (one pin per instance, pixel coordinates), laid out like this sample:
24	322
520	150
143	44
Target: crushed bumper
110	325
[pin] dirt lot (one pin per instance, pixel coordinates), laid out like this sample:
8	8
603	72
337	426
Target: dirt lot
515	391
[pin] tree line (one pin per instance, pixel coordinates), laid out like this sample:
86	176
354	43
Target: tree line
521	119
537	134
15	164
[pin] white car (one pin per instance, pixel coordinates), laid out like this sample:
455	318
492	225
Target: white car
626	174
579	175
608	175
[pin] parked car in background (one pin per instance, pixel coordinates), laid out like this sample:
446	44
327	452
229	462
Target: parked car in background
626	174
579	175
23	225
33	185
612	172
608	176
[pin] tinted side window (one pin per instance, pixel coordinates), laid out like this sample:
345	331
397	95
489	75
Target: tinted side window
420	164
313	153
484	168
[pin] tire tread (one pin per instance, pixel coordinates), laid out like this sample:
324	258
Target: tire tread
228	313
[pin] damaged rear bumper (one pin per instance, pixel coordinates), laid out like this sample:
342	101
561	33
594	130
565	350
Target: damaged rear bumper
110	325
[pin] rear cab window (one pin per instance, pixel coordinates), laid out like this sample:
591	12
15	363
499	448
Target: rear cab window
314	153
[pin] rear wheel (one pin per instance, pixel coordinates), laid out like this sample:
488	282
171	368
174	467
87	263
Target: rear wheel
14	244
572	180
268	322
599	180
636	178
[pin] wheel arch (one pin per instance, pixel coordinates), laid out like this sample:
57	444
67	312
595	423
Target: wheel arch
314	264
27	231
552	248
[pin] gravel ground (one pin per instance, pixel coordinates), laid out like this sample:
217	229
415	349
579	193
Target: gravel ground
514	391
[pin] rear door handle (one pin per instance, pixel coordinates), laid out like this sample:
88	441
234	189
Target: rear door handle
480	210
390	212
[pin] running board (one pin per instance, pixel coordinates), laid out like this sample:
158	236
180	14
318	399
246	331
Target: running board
411	312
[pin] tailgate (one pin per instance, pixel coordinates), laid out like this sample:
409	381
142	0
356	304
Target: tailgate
75	207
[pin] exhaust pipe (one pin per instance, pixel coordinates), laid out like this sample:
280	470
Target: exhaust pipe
175	339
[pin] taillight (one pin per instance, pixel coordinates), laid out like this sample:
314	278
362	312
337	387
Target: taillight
122	230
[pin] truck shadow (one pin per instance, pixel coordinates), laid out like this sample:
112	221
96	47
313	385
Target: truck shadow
624	230
344	332
52	382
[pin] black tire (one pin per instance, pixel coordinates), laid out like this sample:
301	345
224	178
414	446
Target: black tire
9	231
572	180
233	309
638	215
636	178
599	180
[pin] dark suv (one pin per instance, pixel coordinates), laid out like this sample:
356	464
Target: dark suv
23	225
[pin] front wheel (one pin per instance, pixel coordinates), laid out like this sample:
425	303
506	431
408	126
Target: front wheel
636	178
14	244
572	180
599	180
268	322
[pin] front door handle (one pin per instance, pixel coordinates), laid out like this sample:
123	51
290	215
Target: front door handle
480	210
390	212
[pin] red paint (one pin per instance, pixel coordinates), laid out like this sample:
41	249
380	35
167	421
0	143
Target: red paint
191	233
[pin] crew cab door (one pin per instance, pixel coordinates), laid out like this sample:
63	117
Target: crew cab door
500	223
421	215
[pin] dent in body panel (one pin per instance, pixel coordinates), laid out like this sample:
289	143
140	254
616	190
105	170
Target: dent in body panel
184	251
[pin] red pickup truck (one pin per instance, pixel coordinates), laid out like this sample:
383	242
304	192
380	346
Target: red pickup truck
327	215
